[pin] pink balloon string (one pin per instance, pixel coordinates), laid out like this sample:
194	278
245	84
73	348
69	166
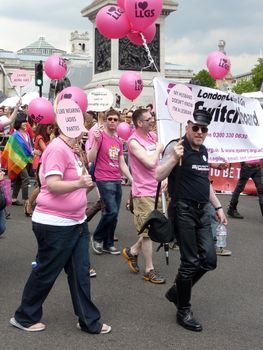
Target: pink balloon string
149	55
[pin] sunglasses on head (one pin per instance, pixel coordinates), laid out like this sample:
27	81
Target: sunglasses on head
196	128
111	119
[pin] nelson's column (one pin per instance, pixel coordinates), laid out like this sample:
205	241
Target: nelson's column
114	56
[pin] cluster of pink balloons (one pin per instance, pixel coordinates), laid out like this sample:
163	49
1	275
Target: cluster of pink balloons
131	84
218	64
130	18
55	67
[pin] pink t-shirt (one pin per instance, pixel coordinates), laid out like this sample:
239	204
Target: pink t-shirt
144	183
107	163
59	159
90	139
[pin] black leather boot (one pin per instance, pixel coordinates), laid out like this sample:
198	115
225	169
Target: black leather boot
171	294
261	208
184	314
232	211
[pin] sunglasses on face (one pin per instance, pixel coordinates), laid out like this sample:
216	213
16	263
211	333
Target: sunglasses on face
146	120
196	128
110	119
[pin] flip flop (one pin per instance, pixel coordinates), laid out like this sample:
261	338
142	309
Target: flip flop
37	327
104	329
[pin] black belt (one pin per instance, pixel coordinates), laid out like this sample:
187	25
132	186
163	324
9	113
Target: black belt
194	204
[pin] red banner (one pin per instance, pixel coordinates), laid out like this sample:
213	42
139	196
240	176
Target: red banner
225	180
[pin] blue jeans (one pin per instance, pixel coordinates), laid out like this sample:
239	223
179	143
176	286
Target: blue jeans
2	222
111	193
60	247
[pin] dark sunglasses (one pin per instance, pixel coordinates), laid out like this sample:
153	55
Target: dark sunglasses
110	119
146	120
196	128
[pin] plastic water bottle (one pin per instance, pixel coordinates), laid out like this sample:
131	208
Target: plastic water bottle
221	233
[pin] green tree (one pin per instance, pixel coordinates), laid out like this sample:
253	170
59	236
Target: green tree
244	85
257	74
203	78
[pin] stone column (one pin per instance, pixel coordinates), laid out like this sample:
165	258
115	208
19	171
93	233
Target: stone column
113	57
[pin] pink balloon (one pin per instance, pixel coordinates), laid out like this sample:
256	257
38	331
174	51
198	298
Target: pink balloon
143	13
120	3
131	84
112	22
55	67
124	130
41	111
149	34
76	94
218	64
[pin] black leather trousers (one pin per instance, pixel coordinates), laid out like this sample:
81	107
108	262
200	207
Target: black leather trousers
194	234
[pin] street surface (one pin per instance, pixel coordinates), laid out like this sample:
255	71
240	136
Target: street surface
228	301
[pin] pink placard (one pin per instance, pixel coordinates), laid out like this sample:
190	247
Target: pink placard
70	118
181	103
20	77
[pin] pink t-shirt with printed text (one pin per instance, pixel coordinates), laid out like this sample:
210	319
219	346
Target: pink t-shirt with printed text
107	163
144	183
59	159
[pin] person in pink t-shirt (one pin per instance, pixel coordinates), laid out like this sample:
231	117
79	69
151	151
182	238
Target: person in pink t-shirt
144	154
107	153
59	224
92	210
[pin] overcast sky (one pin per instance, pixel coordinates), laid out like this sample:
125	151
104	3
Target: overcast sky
191	32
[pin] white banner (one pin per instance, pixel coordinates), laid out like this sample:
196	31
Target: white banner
236	131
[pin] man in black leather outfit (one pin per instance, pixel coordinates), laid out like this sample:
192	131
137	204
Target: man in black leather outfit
190	192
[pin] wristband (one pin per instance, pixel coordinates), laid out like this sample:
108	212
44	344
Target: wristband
216	209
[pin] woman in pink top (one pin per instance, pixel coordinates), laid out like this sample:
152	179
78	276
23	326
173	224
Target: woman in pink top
63	237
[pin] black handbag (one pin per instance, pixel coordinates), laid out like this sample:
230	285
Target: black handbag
159	227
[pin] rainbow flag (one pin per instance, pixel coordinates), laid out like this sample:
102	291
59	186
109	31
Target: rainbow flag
16	155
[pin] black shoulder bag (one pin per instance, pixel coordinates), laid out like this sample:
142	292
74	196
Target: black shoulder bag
159	227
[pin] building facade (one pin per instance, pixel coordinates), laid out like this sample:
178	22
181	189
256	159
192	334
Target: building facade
78	61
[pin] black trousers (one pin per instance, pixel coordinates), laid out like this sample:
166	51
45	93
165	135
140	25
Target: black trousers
249	171
194	234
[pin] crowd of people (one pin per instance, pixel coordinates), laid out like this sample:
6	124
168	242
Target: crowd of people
67	169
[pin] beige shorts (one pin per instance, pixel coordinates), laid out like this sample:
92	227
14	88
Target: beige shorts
142	208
